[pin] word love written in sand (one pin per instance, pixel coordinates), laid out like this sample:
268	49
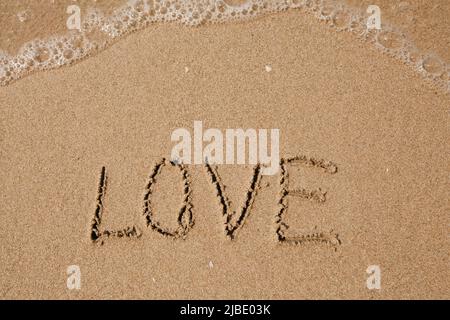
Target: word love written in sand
233	219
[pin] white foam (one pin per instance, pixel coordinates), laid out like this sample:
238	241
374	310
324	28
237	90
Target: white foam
98	31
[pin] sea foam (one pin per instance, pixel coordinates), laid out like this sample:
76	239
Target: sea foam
98	31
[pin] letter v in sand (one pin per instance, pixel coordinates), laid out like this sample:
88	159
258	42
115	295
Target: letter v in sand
227	213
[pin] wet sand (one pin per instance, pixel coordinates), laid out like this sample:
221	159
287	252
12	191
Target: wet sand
332	97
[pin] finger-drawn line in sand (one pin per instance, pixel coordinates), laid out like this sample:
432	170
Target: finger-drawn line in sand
97	235
227	212
233	219
316	195
185	216
327	166
330	238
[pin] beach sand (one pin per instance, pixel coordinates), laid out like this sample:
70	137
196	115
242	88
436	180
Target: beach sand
331	96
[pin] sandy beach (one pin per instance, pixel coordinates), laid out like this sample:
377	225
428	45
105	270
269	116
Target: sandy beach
334	98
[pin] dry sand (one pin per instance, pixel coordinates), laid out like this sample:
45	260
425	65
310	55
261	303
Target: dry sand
332	97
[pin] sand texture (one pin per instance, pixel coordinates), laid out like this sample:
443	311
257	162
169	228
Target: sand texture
86	178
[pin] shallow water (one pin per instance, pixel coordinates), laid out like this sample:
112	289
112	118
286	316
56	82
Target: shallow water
30	45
